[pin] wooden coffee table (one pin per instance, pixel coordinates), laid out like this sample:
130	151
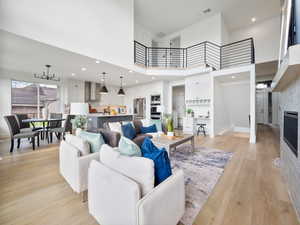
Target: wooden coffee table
170	143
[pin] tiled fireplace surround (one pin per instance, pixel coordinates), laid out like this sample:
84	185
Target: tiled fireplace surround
290	101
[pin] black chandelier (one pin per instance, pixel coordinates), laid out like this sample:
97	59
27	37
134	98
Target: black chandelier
46	75
103	88
121	92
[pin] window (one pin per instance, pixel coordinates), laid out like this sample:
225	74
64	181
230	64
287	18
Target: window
32	98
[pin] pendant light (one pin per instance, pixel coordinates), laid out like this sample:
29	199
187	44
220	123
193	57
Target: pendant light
121	91
103	88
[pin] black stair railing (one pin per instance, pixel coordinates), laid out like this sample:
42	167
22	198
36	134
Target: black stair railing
202	54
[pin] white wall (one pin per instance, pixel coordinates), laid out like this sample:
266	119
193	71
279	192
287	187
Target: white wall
145	91
112	97
178	105
237	101
99	29
266	36
204	30
221	116
5	100
143	35
198	87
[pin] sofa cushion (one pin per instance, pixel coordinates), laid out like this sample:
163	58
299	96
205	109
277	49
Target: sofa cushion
160	158
128	131
78	143
94	139
128	147
137	125
115	126
139	169
158	124
150	129
139	139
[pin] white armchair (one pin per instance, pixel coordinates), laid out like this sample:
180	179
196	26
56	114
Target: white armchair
74	167
116	199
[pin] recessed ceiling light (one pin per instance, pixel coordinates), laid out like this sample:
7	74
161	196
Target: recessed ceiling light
97	61
73	74
253	19
232	77
83	69
130	71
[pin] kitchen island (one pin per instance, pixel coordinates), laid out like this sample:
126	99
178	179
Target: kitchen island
97	120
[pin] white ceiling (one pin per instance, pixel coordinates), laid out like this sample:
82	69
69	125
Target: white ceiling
268	68
240	77
168	16
29	56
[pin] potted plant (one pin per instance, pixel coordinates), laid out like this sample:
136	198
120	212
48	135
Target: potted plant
79	123
190	112
169	124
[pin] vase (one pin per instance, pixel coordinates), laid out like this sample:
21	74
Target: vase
78	131
170	134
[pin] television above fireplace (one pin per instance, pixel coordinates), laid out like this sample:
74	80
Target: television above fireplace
290	131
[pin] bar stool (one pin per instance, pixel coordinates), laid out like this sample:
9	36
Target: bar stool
201	128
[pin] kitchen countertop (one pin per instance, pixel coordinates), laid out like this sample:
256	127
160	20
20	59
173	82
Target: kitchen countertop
101	115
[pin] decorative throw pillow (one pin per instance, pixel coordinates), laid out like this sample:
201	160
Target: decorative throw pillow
116	127
158	124
94	139
128	147
128	131
150	129
162	165
78	143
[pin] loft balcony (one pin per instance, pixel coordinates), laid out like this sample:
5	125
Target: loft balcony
205	54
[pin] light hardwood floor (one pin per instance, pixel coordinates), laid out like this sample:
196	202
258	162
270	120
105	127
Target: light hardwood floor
251	191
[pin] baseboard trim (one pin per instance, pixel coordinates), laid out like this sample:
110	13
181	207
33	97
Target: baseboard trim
241	129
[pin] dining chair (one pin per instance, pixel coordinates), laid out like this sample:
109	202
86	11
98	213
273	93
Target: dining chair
15	133
61	131
25	127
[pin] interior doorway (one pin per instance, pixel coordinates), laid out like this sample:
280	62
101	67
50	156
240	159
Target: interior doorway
178	106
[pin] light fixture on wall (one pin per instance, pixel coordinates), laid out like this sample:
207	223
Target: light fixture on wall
121	91
103	88
46	75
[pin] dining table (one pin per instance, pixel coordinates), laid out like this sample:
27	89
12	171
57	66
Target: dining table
44	122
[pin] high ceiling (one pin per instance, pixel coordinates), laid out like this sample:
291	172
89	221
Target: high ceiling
28	56
168	16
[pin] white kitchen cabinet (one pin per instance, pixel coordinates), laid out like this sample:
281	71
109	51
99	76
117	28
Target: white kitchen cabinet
189	125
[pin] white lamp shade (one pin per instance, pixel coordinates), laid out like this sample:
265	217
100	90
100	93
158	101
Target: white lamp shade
79	109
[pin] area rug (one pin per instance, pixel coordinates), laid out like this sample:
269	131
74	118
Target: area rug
202	170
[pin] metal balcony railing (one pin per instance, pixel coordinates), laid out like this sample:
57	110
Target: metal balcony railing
203	54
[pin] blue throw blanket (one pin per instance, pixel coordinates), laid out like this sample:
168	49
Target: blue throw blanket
161	160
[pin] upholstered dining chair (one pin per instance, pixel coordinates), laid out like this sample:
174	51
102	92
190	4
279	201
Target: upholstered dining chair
25	127
61	131
15	133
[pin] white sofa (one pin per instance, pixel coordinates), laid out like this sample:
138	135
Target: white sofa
74	161
122	192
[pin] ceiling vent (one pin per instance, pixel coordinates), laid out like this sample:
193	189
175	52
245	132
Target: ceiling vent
161	34
208	10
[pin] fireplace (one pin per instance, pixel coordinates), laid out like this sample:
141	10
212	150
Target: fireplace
290	131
